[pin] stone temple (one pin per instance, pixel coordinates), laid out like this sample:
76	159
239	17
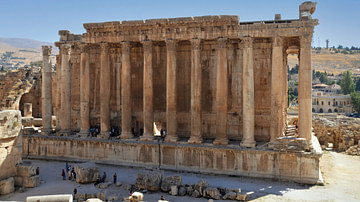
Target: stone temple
218	86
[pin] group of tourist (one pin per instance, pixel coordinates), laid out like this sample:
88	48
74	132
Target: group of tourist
70	171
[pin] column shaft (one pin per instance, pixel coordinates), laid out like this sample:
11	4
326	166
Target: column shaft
276	89
248	94
126	91
196	92
84	91
46	90
221	93
104	91
65	121
148	96
57	108
171	121
305	79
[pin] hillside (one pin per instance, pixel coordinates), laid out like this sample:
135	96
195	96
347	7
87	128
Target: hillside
21	43
23	51
331	62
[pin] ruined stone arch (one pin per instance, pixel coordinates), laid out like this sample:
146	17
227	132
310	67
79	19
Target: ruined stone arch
313	110
329	111
335	110
321	110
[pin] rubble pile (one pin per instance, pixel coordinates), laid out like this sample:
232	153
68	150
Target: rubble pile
354	150
341	132
154	181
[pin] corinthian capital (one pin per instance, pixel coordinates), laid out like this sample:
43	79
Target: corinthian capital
222	42
46	50
65	49
247	42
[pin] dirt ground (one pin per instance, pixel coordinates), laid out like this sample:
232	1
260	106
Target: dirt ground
341	174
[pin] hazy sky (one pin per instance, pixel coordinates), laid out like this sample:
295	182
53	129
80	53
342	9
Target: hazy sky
41	19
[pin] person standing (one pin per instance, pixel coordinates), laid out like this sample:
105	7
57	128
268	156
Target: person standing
63	174
115	178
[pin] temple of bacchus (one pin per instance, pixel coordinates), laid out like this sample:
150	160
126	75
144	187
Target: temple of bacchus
216	85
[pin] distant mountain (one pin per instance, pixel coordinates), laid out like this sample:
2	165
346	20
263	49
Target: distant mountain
23	43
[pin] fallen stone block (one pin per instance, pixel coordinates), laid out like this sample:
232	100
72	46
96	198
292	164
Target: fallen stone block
195	194
25	170
118	184
137	197
201	186
167	182
31	182
174	190
7	186
90	196
182	191
190	190
229	196
241	197
50	198
86	172
212	192
94	200
79	196
149	181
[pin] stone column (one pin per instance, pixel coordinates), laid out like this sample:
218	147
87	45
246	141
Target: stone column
248	93
65	127
171	121
276	89
196	91
126	91
84	91
221	93
57	107
148	96
46	91
104	91
305	79
27	109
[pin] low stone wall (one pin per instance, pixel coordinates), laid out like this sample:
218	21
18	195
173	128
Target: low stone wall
206	158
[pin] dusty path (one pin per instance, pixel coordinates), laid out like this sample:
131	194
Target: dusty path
340	172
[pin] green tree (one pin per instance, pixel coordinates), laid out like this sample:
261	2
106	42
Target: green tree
323	78
355	99
357	84
347	83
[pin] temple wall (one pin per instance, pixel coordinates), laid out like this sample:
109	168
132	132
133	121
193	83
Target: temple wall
289	166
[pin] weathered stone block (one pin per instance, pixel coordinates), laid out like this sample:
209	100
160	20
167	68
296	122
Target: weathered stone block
114	197
212	192
149	181
104	185
94	200
31	182
229	196
25	170
174	190
195	194
89	196
201	186
169	181
182	191
50	198
79	196
86	172
241	197
7	186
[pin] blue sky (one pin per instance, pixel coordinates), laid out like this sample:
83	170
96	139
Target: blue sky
41	19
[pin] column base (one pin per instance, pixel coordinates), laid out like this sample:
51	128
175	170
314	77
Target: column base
83	134
64	133
172	139
126	135
103	135
195	140
148	137
248	144
221	141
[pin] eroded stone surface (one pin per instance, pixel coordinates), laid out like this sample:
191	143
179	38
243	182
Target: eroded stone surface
86	172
